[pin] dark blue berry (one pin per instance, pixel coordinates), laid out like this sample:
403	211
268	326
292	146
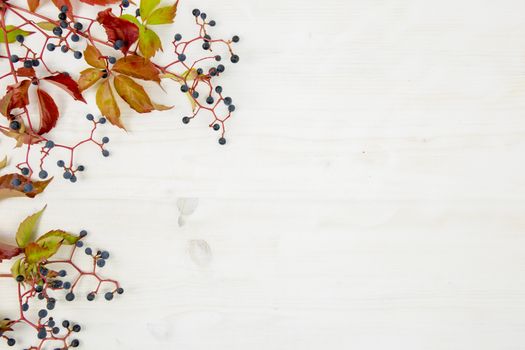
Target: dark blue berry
66	285
105	139
75	37
101	263
57	31
78	55
28	63
78	26
65	324
112	60
212	23
20	38
125	3
236	39
16	182
76	328
186	120
222	141
178	37
28	188
25	171
60	163
216	127
231	108
196	12
235	59
108	296
210	100
91	296
42	334
15	125
83	233
14	58
50	144
51	47
102	120
105	153
104	255
88	251
228	101
43	174
42	313
90	116
67	175
11	342
182	57
70	296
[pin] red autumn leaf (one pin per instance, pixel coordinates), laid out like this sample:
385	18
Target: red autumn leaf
25	72
33	4
65	82
100	2
118	29
8	251
16	97
48	112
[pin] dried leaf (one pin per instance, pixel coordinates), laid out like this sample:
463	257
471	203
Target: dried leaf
12	33
135	95
26	229
118	29
149	42
163	15
93	57
137	67
48	112
46	25
108	105
88	78
8	190
66	83
8	251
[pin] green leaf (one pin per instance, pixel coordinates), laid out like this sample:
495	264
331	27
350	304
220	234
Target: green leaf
163	15
25	233
146	6
12	32
149	42
46	26
57	235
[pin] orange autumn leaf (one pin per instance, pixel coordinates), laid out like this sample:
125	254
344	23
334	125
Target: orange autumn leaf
108	105
16	97
88	78
48	111
137	67
33	4
8	190
135	95
93	57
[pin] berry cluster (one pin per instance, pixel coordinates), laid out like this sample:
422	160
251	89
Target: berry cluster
29	42
38	287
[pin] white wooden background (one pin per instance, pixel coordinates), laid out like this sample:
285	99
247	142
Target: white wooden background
371	195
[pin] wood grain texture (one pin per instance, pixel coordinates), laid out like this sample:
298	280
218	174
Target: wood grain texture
371	194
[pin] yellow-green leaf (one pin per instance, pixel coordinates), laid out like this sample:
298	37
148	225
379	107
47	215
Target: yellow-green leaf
135	95
18	269
26	230
149	42
92	57
163	15
36	253
3	163
57	235
88	78
12	32
132	19
146	6
108	105
46	26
